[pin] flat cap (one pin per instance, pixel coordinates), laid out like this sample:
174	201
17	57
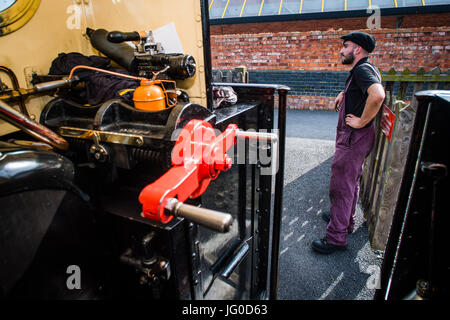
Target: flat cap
366	41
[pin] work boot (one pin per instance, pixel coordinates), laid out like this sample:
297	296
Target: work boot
322	246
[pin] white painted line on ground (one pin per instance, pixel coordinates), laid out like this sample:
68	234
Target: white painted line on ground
288	235
333	285
293	221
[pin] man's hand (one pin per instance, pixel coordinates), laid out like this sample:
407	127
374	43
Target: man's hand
337	101
353	121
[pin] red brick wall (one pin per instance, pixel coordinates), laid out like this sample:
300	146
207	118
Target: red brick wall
319	50
310	102
292	45
387	22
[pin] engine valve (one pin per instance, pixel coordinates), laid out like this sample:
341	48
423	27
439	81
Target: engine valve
197	158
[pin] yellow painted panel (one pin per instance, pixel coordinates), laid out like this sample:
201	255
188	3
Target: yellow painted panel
59	26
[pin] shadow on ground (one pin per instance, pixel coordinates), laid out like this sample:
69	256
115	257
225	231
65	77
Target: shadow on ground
306	275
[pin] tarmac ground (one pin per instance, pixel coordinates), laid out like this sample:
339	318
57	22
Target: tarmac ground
304	274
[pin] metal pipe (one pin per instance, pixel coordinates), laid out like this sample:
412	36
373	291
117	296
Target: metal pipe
236	260
257	135
121	53
31	127
212	219
46	86
117	74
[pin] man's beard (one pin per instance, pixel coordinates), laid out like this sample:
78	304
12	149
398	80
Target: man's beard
349	58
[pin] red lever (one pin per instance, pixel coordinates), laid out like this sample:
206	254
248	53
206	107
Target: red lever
197	158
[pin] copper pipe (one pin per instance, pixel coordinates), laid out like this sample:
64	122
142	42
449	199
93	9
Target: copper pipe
31	127
104	71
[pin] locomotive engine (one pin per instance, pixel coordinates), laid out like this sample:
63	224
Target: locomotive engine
146	194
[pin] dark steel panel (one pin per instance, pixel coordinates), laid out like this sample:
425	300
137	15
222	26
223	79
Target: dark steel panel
417	247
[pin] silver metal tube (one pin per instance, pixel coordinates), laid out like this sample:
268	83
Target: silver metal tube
212	219
46	86
237	259
257	135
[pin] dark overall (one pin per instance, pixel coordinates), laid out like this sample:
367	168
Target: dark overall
352	147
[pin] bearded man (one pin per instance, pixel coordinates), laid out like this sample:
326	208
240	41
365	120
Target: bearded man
357	105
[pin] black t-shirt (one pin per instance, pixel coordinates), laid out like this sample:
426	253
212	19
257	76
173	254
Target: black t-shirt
363	76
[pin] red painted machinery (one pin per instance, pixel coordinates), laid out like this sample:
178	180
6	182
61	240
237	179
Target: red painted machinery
197	158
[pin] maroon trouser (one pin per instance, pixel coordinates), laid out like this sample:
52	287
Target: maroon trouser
352	147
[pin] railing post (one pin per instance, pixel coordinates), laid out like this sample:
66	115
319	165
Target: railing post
278	201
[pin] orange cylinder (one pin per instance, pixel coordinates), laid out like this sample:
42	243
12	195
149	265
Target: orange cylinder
149	96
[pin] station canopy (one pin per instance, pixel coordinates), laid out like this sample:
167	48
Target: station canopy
223	9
